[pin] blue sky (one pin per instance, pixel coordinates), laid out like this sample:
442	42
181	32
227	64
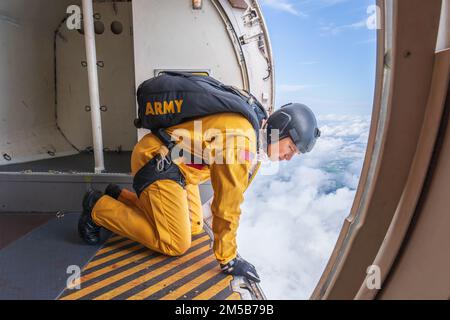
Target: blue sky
324	54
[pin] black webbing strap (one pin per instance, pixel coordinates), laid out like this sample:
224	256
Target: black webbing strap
165	138
158	168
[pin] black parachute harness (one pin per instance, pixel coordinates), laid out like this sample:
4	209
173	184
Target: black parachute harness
175	97
160	167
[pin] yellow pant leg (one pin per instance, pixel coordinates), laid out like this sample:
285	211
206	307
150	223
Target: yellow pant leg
163	225
194	203
195	208
130	198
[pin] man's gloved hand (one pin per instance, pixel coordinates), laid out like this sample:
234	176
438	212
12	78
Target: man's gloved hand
240	267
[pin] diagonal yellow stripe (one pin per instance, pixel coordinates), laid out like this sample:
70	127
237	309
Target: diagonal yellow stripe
234	296
179	292
103	283
172	279
113	238
152	274
113	247
211	292
113	256
115	266
127	261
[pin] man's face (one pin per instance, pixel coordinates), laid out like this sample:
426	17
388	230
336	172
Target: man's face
286	150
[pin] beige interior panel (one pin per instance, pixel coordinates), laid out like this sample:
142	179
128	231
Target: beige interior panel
115	75
27	110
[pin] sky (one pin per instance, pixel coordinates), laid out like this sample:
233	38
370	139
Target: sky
324	53
293	212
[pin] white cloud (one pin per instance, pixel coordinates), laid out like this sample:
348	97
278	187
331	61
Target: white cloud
317	5
290	222
282	5
306	5
331	28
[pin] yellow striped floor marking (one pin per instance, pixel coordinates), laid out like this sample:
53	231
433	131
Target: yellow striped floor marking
172	279
151	274
211	292
127	261
114	266
234	296
179	292
113	256
113	247
101	284
113	238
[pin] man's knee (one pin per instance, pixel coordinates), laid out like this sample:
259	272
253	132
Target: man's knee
178	247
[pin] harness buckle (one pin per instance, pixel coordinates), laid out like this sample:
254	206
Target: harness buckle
162	163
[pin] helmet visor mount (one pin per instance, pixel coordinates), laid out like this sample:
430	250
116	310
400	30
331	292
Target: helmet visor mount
297	141
304	148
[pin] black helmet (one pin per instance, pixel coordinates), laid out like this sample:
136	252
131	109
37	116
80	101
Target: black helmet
296	121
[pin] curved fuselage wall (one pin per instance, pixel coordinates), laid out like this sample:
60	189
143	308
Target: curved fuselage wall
114	47
422	271
169	35
45	105
44	87
27	110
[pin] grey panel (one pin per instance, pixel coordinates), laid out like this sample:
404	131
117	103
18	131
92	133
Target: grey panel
83	162
35	267
46	192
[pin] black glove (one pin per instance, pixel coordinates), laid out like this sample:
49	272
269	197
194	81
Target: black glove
240	267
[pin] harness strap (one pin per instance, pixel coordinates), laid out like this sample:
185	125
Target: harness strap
165	138
160	167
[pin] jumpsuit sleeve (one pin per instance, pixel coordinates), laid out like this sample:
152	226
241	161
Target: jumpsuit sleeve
229	182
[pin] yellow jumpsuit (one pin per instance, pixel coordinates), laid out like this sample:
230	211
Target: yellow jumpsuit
165	215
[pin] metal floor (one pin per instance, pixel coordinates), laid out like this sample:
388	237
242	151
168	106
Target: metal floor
39	252
35	263
125	270
14	226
